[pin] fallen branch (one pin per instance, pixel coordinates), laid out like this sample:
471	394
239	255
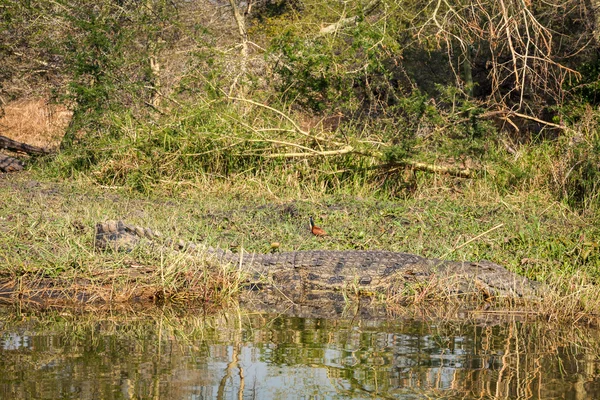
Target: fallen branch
11	164
300	130
309	151
506	114
13	145
313	153
241	24
541	121
454	171
296	126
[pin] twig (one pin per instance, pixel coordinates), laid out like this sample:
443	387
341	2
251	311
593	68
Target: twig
299	146
296	126
345	150
158	92
372	6
472	240
506	114
300	130
241	24
541	121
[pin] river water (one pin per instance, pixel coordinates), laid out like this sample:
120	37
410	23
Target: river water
174	354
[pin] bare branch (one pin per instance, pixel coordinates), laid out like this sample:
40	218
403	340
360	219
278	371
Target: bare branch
298	129
241	24
344	22
460	172
520	46
313	153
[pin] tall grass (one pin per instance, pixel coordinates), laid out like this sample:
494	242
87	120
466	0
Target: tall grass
231	141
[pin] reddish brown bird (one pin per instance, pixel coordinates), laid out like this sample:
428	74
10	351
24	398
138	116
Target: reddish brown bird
315	230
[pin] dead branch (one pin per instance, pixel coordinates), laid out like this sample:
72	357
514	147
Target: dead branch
287	117
241	24
298	129
290	144
13	145
520	46
344	22
454	171
541	121
313	153
506	114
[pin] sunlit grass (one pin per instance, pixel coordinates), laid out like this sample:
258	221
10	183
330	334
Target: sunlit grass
46	231
205	174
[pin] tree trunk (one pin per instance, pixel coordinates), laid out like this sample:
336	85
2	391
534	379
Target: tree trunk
241	24
11	164
13	145
595	10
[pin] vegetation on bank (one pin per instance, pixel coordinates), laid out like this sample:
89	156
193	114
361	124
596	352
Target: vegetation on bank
413	127
47	236
344	95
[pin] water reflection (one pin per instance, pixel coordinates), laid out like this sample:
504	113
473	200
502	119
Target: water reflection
169	355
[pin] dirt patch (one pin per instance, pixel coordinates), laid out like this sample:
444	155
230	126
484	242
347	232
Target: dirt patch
35	121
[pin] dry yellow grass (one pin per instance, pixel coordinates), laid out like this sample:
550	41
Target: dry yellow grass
35	121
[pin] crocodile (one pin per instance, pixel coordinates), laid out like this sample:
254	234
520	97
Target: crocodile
10	164
363	271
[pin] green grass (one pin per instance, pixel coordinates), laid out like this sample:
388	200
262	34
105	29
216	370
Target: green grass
205	174
46	231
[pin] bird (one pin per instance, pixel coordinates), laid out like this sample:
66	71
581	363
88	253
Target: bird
315	230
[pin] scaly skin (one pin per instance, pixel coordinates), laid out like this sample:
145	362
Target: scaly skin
10	164
332	269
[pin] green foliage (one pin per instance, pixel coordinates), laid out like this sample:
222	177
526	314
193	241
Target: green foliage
211	141
93	55
581	186
200	141
307	71
396	96
107	57
587	88
508	176
354	72
396	153
577	156
265	10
